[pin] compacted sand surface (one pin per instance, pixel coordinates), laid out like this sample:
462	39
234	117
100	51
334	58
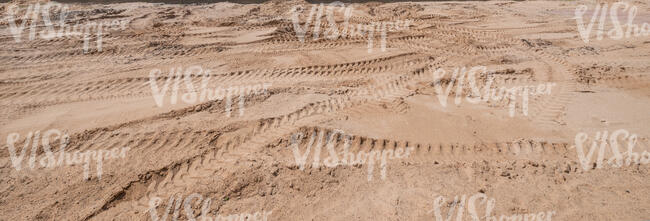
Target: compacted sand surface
297	110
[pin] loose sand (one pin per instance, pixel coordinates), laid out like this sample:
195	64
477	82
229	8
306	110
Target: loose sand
379	101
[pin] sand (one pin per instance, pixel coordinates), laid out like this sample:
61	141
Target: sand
244	151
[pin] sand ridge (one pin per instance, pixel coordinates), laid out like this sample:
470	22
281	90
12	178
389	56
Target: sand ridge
209	98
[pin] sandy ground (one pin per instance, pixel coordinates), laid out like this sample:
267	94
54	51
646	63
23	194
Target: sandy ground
182	154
